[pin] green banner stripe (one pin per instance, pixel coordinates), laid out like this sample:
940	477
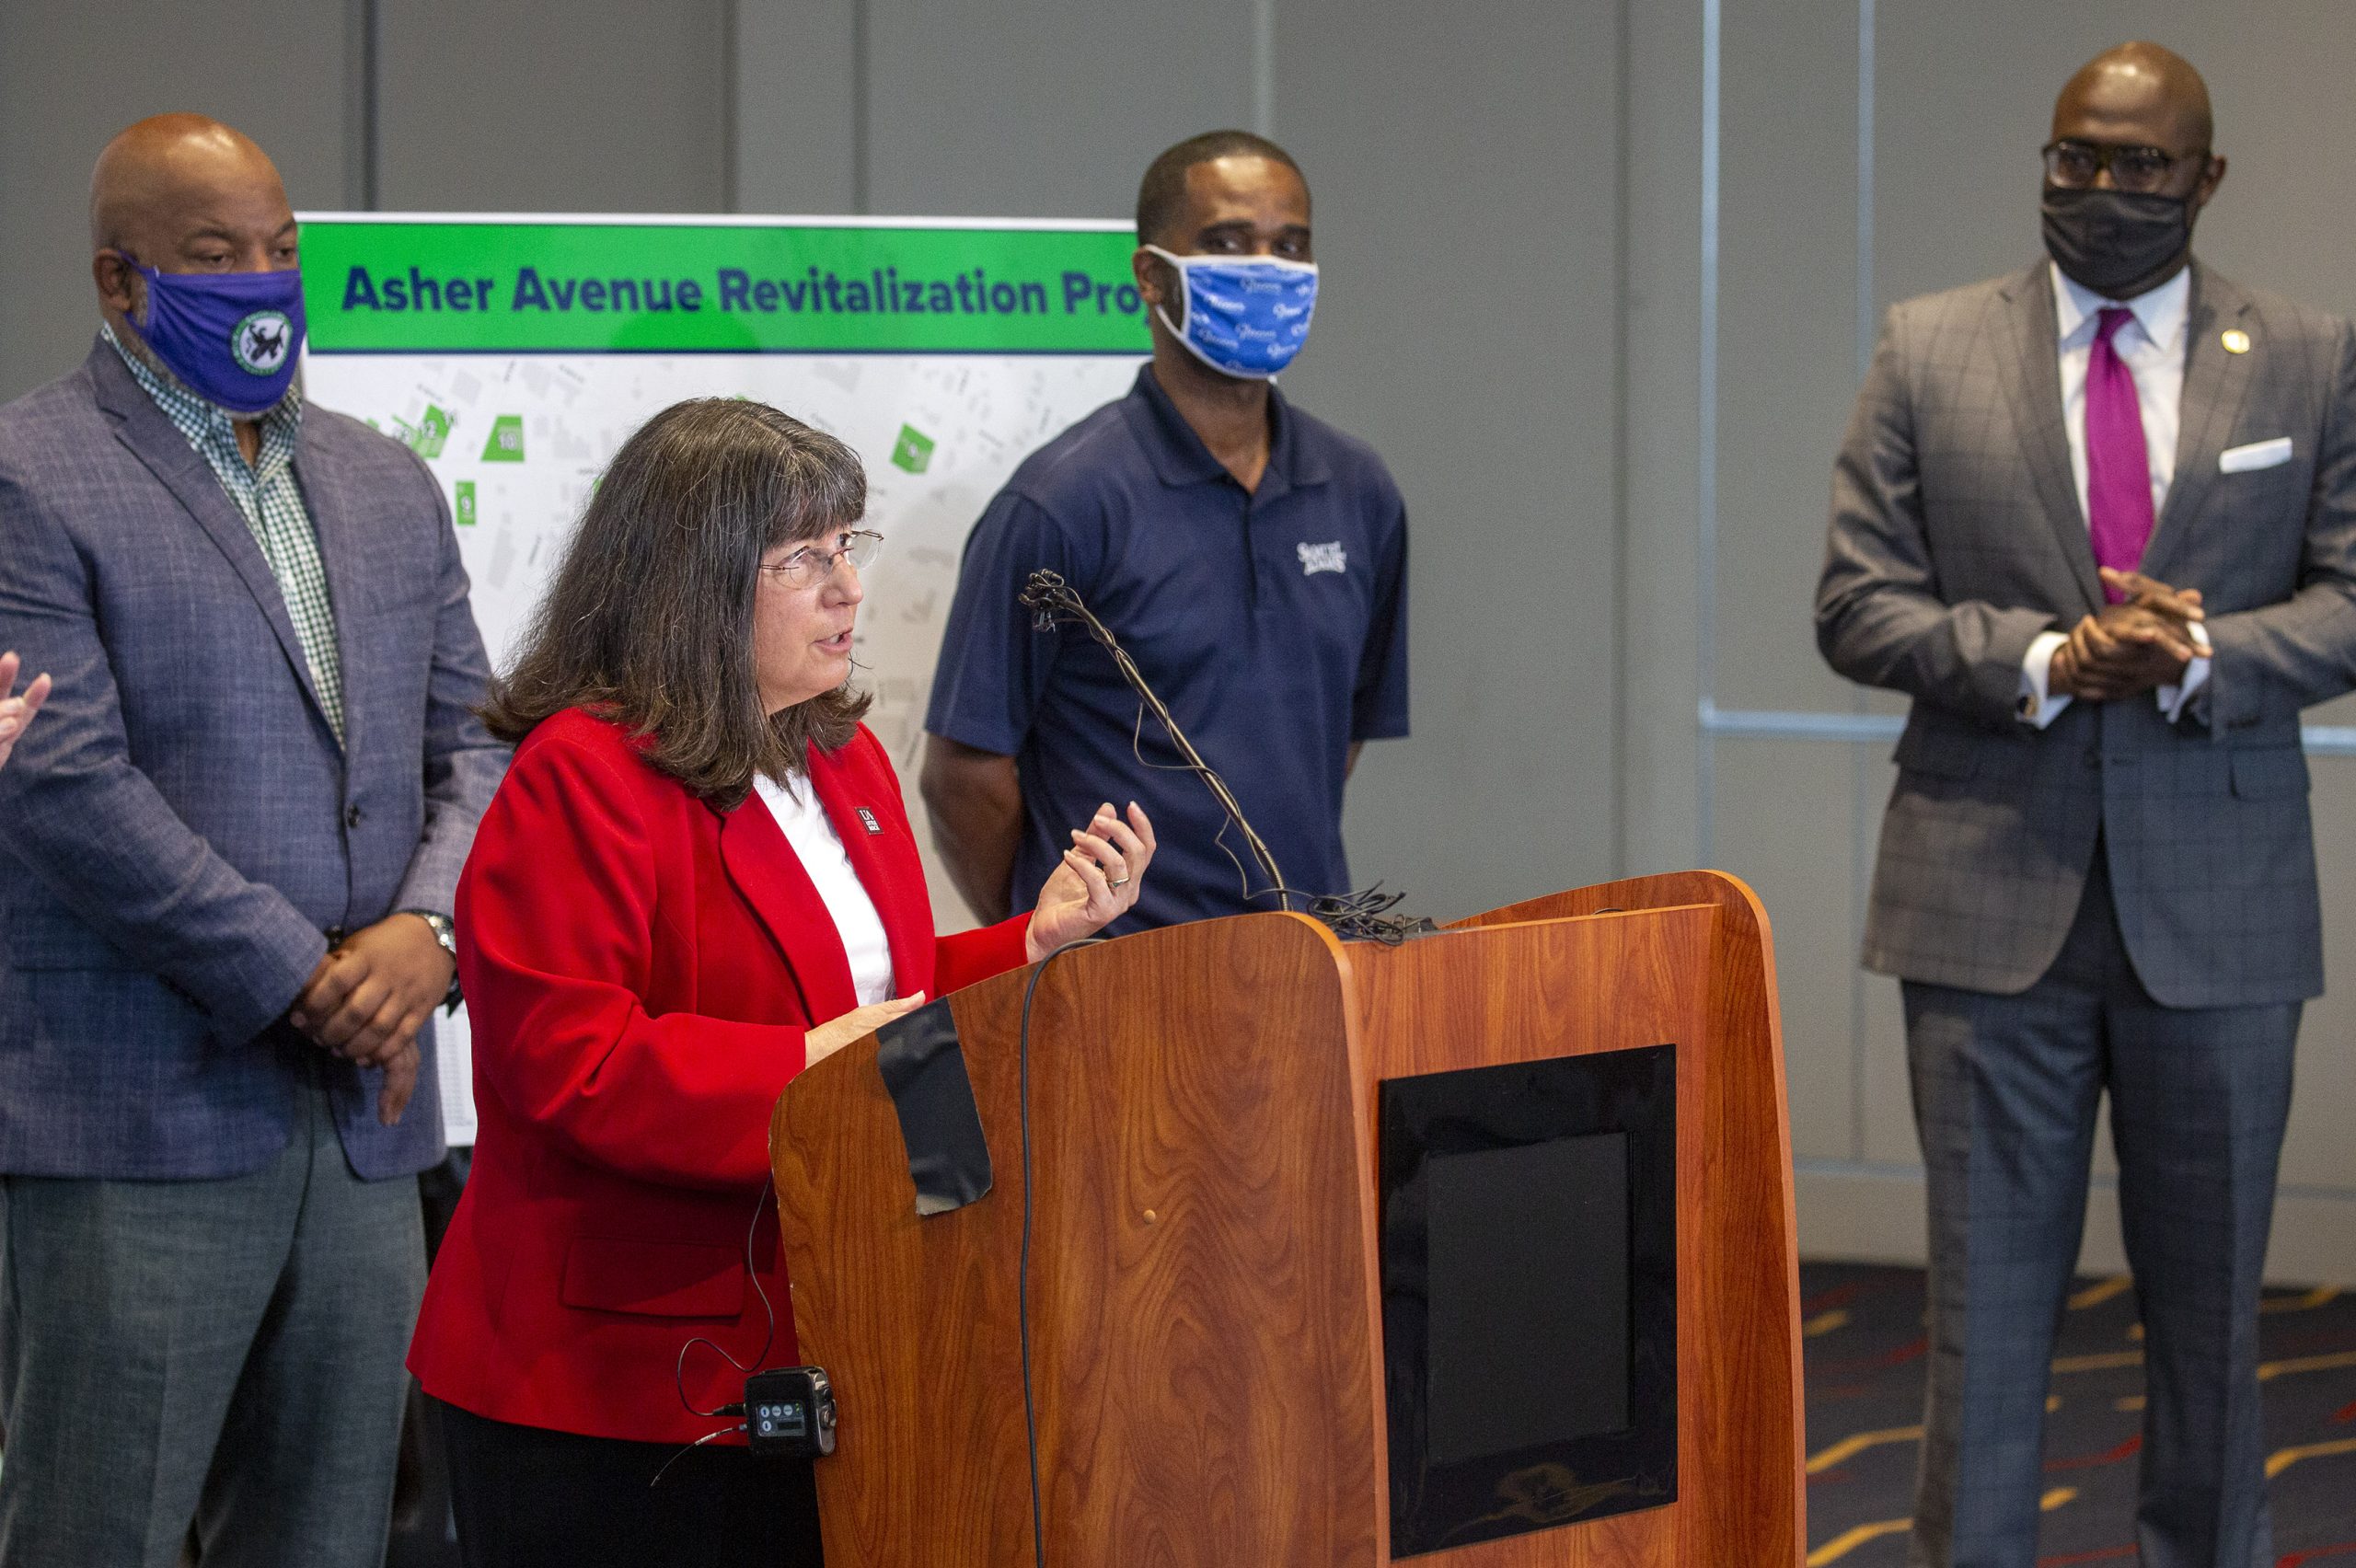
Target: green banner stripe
429	287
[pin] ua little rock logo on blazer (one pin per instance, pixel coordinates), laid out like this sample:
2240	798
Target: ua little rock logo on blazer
1328	557
867	820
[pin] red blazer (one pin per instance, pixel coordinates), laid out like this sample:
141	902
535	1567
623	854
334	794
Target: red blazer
640	967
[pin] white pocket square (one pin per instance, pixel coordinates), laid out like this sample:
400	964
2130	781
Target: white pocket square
2256	454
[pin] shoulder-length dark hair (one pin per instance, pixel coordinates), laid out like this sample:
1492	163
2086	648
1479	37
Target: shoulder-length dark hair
649	621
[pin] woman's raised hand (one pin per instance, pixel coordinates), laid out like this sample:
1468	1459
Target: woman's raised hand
1097	883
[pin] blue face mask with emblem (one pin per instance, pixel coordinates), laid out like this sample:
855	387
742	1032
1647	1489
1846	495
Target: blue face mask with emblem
232	336
1244	315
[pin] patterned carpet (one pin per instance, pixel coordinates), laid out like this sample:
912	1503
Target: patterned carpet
1863	1329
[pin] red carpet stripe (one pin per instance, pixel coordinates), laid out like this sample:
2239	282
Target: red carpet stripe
2316	1554
2088	1461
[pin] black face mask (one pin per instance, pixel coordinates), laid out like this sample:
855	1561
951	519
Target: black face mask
2118	243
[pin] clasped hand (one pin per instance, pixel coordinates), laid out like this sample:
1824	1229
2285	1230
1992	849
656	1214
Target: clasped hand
1095	885
2130	647
370	996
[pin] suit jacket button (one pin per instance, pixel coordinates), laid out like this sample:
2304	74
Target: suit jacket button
2094	756
351	817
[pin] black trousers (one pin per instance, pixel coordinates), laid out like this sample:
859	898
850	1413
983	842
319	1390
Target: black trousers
526	1496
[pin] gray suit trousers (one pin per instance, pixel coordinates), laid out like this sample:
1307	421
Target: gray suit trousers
226	1352
2005	1091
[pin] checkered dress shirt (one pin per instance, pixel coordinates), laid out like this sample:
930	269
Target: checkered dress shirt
271	502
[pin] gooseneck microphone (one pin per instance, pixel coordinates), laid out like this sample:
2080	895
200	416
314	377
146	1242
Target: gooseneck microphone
1053	602
1363	915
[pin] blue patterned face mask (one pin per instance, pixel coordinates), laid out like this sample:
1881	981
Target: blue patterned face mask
232	336
1245	316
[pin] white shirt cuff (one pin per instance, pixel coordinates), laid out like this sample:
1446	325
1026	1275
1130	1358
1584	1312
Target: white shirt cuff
2038	707
2196	675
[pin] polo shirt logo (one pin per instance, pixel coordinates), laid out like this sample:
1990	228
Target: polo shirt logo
1329	557
867	818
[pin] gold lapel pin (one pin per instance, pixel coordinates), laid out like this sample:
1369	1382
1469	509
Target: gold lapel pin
2237	341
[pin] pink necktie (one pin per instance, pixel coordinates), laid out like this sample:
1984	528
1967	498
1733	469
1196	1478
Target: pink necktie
2119	466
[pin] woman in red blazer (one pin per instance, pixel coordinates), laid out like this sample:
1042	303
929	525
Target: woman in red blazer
697	879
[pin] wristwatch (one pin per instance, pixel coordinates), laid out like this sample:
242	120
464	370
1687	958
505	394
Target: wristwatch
446	932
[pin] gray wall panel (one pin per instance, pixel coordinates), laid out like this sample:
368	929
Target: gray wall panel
1800	864
796	142
597	106
1465	327
1042	107
1886	1091
71	78
1661	413
2274	72
1788	352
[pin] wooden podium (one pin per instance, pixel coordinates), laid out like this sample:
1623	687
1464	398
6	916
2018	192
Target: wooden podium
1246	1140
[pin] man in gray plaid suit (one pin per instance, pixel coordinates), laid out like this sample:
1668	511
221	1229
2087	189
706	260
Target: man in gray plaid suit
227	858
2097	518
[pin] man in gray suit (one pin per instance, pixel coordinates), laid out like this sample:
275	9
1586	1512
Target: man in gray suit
234	840
2097	518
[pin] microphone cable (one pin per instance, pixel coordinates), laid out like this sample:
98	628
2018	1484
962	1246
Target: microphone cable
679	1368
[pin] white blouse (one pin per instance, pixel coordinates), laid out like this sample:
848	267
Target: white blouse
811	833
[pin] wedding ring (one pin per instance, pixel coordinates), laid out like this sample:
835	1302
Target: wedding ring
1118	882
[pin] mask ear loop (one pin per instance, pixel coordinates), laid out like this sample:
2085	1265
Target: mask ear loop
1185	296
145	292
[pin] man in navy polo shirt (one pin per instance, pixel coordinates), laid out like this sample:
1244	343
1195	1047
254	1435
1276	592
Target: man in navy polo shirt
1251	558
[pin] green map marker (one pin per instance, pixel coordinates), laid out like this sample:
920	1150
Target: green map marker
465	509
914	450
426	437
506	443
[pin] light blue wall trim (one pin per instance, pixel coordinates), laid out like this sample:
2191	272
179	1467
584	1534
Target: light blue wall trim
1861	813
2330	740
1761	724
1754	723
1705	545
1865	186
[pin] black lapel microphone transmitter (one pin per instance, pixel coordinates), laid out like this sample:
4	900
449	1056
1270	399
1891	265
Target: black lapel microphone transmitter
790	1413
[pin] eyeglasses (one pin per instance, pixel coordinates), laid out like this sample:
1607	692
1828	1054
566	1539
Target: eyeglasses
2074	165
813	564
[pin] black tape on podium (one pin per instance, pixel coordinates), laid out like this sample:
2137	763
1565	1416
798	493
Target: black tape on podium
924	1067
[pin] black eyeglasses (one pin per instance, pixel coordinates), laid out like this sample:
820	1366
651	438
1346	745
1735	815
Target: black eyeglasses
2074	165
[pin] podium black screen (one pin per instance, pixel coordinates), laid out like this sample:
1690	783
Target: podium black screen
1497	1279
1529	1293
